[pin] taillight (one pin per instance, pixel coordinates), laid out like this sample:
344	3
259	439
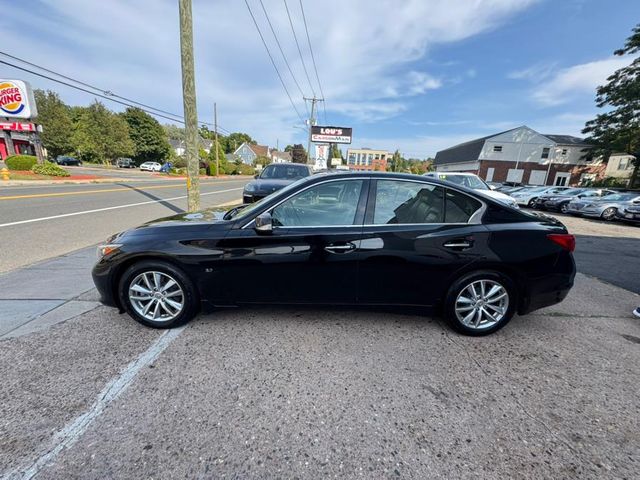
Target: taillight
565	240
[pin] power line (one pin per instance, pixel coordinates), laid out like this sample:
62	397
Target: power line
111	98
104	91
295	37
313	59
284	57
272	61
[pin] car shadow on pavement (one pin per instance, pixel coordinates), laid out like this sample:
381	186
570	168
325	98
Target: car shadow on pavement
160	200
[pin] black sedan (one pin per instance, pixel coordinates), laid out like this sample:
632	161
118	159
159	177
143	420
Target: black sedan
344	239
65	160
560	201
273	178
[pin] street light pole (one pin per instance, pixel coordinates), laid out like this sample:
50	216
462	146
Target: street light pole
189	101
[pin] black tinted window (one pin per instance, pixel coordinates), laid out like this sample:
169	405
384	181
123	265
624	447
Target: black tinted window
326	204
408	202
459	207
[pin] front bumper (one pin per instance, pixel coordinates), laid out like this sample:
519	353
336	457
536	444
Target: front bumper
252	197
628	216
101	275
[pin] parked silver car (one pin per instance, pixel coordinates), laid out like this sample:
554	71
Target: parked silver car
629	213
603	207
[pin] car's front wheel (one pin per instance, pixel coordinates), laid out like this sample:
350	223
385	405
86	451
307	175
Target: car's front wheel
532	203
480	303
609	214
158	294
564	208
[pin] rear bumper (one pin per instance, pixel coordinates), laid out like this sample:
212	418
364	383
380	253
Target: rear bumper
550	289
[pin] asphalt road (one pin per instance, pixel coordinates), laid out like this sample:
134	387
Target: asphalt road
49	220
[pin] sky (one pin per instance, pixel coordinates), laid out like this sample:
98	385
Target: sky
413	75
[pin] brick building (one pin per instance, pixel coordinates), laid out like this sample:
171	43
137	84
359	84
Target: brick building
523	155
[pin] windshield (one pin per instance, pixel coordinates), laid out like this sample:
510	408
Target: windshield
572	191
285	172
247	211
619	197
535	189
469	181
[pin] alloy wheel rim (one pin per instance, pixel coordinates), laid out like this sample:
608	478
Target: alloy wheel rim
564	207
608	214
156	296
482	304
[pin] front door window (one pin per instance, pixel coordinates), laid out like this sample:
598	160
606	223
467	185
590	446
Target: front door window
327	204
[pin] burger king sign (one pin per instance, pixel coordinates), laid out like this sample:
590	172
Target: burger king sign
16	99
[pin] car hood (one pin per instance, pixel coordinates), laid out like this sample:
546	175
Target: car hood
271	184
209	218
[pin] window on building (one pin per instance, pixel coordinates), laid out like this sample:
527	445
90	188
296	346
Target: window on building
377	157
545	152
497	148
623	164
564	151
352	158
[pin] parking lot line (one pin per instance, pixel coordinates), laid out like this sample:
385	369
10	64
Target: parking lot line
72	214
112	390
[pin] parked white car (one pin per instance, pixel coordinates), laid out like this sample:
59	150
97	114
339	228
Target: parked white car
474	182
151	166
528	196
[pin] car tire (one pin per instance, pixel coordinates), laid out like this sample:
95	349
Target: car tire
170	306
609	214
458	306
532	203
564	208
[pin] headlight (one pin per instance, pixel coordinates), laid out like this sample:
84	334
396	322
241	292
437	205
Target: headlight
250	187
106	249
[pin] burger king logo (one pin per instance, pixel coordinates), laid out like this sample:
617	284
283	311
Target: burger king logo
11	98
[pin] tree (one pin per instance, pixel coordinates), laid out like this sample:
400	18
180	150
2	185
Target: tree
335	152
262	160
298	153
173	132
222	159
148	137
618	129
397	162
55	117
101	135
234	140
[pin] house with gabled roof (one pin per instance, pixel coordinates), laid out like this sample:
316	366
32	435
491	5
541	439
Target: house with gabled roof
523	155
248	152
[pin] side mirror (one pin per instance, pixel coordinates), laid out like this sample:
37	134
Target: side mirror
636	202
263	223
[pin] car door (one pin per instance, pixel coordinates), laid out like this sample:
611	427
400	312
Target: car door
310	254
416	236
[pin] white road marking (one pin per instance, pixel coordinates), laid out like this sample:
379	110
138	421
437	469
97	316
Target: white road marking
53	217
70	434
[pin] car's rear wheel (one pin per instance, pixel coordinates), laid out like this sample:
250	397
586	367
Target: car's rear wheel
480	303
157	294
564	208
609	214
532	203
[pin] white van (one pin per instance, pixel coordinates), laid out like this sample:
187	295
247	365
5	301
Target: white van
474	182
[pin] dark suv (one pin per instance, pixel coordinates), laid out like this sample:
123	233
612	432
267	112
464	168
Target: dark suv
125	163
64	160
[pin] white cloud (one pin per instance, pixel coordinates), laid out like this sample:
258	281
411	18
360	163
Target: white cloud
364	53
567	83
535	73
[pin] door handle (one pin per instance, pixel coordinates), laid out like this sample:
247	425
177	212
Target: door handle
343	248
460	244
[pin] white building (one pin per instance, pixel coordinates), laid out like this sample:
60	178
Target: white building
521	155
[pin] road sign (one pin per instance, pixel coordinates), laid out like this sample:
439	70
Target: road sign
331	134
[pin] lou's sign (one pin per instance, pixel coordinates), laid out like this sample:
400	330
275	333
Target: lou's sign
16	99
331	134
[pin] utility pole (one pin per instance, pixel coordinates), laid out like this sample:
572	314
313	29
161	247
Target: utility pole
312	121
189	100
215	129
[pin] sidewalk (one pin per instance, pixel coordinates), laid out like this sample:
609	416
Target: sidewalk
40	295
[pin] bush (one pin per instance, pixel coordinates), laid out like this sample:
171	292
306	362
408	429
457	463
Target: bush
243	169
50	169
20	162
